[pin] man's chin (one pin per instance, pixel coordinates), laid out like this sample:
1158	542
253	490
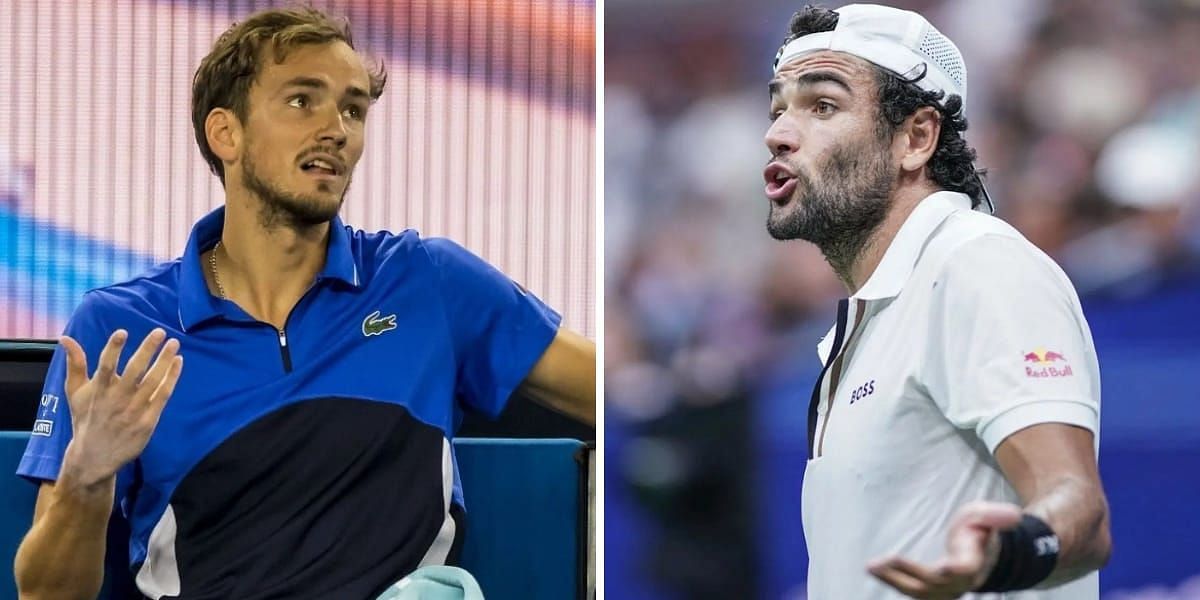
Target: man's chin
329	188
310	209
785	223
317	214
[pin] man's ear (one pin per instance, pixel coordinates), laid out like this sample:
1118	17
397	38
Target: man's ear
223	130
919	138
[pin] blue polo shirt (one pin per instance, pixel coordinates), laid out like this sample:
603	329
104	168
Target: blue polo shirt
313	461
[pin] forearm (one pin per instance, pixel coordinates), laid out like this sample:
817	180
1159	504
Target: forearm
581	406
564	379
1077	512
62	556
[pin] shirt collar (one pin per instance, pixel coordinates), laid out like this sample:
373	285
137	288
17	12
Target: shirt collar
901	255
197	304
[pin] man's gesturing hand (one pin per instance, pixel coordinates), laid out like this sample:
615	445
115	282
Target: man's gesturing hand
971	550
113	415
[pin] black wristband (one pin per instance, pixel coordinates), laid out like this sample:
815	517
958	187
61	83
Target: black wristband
1028	554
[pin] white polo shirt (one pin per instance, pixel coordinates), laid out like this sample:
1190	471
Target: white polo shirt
963	335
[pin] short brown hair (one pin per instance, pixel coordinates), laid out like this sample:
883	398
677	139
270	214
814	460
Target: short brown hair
224	77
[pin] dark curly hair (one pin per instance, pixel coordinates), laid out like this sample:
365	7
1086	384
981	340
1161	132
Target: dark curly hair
224	77
952	165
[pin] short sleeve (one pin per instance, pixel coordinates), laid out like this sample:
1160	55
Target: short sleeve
499	329
1009	345
52	425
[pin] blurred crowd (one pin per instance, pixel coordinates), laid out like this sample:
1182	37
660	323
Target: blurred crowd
1086	114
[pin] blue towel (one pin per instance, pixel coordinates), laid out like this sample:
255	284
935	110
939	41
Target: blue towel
435	583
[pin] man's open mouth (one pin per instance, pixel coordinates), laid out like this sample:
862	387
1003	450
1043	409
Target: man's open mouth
326	166
780	182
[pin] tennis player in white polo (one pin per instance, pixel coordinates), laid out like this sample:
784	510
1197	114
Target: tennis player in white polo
954	429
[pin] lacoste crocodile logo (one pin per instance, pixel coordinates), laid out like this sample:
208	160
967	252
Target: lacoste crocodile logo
375	325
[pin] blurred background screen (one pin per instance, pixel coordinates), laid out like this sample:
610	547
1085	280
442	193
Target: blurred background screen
1086	113
485	134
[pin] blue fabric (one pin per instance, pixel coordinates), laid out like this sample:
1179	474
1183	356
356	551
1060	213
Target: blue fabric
523	540
524	494
52	428
464	337
16	506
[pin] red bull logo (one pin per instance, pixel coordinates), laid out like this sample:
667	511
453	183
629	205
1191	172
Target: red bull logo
1041	356
1046	359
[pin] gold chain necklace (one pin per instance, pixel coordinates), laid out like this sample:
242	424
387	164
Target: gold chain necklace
212	261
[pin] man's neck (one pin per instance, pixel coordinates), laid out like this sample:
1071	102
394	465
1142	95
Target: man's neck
904	202
266	270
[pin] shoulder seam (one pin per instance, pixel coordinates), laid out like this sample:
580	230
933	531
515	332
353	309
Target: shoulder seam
139	277
437	268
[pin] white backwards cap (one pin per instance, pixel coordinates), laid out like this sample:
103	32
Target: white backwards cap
900	41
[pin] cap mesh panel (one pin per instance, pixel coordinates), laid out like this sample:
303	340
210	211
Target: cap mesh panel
942	52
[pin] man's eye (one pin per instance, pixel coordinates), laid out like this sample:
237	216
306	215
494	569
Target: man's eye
298	101
353	112
824	108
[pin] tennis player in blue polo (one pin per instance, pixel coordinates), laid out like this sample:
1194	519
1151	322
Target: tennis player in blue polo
304	450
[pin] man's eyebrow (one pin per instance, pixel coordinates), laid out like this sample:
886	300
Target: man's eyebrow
810	79
312	82
309	82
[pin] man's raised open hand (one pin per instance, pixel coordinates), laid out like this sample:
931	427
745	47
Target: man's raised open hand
113	415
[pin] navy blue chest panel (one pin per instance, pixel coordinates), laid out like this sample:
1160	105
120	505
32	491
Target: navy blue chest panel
324	492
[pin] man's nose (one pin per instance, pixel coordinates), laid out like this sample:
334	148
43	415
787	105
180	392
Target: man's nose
334	131
782	137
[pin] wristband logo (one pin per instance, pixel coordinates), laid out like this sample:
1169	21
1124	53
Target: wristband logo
1046	545
1045	364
